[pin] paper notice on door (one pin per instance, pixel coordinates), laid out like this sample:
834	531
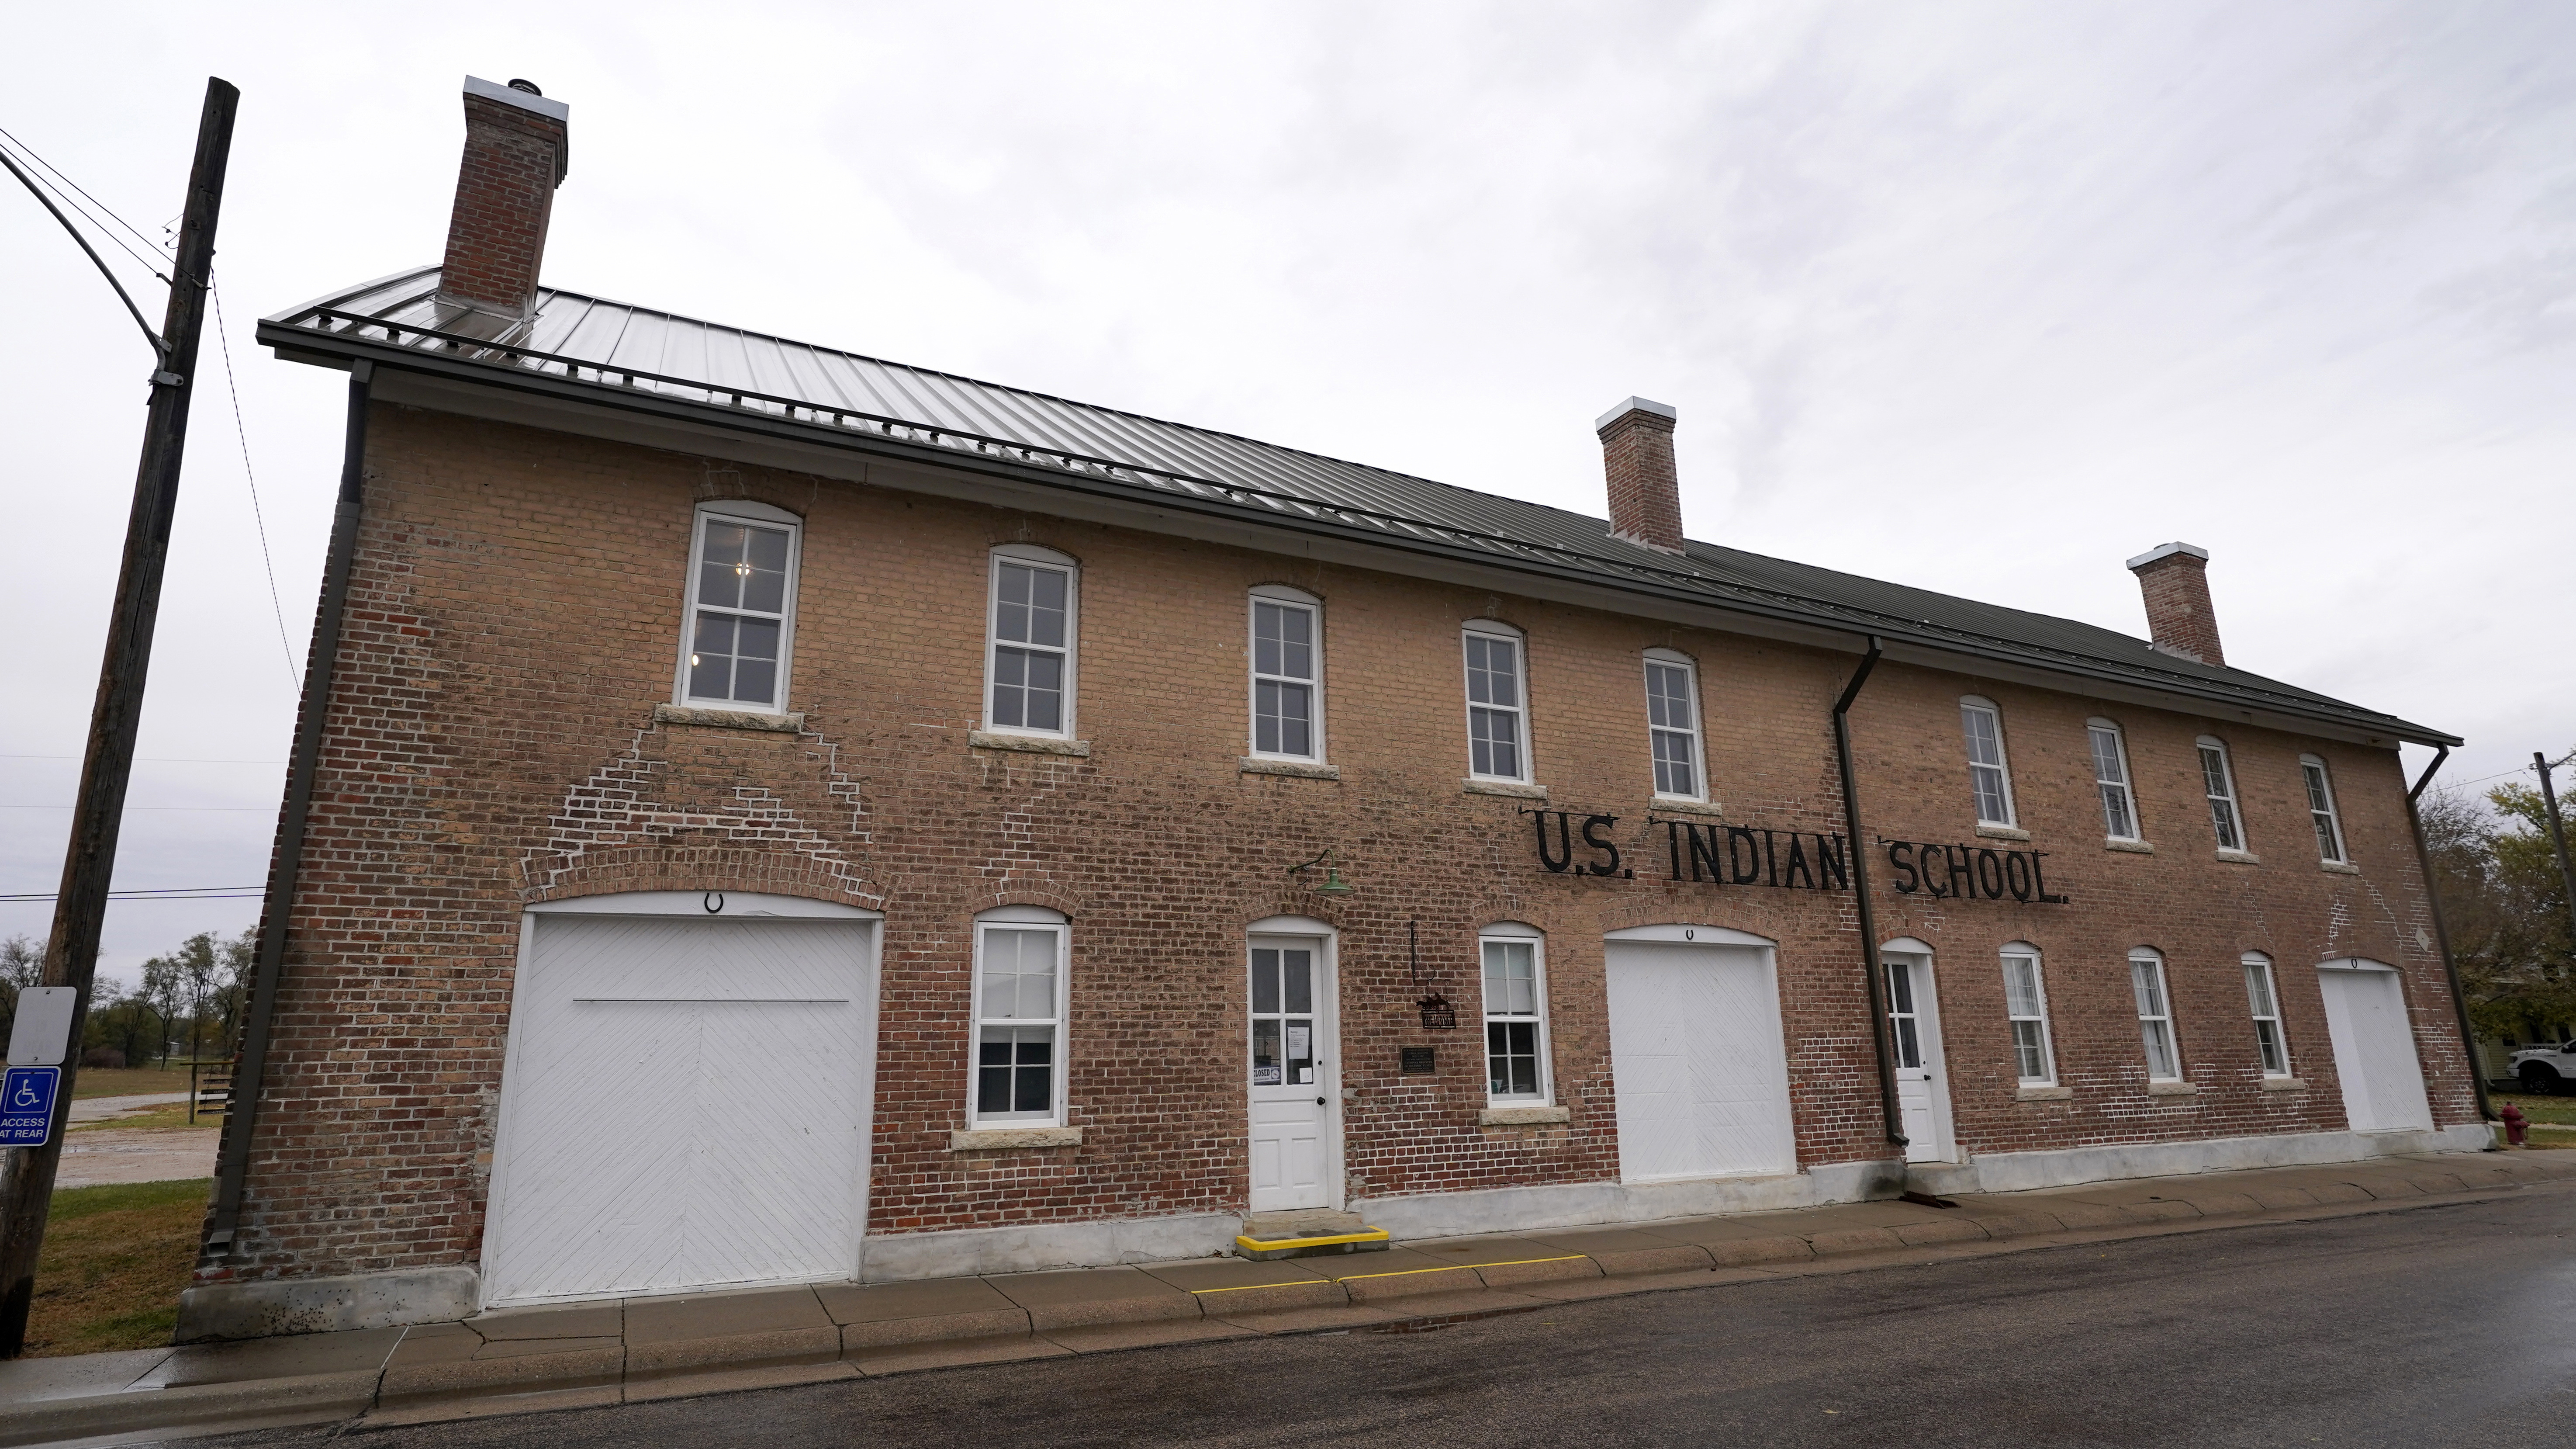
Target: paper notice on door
1300	1039
1265	1076
1305	1075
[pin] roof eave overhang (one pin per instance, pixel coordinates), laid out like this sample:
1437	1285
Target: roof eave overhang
545	399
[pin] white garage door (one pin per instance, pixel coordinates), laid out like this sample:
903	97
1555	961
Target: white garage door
2374	1050
1695	1051
685	1105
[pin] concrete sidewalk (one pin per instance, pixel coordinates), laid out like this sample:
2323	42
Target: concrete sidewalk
625	1351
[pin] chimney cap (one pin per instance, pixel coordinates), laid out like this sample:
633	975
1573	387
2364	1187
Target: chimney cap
2168	550
528	99
1635	405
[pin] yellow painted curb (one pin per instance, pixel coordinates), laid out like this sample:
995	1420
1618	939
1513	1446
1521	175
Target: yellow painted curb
1453	1267
1272	1245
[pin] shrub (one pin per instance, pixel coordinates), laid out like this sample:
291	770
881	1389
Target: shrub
102	1057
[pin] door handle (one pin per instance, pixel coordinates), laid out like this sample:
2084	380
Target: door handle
1319	1101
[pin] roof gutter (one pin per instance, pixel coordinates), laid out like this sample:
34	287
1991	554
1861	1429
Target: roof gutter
1871	970
1095	479
232	1162
2442	938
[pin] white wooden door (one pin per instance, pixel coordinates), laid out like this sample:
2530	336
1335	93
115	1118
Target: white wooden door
2374	1052
1296	1151
684	1106
1914	1040
1695	1054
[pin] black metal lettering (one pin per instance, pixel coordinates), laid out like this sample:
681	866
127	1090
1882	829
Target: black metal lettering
1990	875
2017	874
1771	854
1743	835
1564	855
1673	847
1962	863
1900	865
1830	863
1703	847
1592	826
2039	882
1798	865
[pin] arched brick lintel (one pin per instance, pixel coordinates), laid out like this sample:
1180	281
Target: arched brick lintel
703	867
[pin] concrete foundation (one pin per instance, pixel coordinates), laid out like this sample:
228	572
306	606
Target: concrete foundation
264	1308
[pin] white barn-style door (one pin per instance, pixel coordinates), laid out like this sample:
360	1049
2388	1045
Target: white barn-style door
2374	1048
1696	1055
685	1103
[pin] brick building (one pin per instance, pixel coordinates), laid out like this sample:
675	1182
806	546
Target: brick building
764	813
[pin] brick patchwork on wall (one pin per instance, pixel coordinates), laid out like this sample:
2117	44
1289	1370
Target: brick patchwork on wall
515	618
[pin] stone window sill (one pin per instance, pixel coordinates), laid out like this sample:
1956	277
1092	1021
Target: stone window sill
2239	857
1675	805
2133	847
1523	1116
2285	1084
2002	832
2338	867
1295	769
729	719
1029	744
2172	1089
1511	788
2043	1094
987	1139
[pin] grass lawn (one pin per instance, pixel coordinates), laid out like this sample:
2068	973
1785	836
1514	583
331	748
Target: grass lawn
2556	1111
129	1081
115	1259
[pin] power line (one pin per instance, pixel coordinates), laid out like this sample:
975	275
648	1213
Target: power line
152	760
223	340
30	153
167	893
257	809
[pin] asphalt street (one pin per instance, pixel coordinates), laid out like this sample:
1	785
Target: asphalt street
2449	1325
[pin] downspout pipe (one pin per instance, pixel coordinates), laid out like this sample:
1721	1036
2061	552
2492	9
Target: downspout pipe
241	1120
2442	937
1870	967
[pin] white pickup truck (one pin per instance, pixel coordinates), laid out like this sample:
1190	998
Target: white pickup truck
2545	1069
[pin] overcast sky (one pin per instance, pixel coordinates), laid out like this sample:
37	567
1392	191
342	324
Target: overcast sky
1981	297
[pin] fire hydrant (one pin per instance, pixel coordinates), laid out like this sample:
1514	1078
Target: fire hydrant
2514	1122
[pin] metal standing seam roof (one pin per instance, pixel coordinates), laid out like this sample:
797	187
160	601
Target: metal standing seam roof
638	353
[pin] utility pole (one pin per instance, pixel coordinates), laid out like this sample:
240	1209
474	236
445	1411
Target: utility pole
71	951
2557	838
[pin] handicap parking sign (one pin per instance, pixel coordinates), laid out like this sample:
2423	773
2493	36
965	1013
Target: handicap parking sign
27	1105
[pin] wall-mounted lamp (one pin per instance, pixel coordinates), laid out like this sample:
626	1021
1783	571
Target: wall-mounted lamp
1333	885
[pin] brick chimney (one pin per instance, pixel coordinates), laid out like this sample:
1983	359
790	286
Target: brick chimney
1645	489
516	152
2175	579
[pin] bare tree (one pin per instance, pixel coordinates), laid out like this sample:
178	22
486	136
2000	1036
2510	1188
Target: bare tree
22	964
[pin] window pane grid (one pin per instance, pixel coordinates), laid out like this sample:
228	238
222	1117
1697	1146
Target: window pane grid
2111	776
2027	1009
1513	1051
741	612
2321	811
1019	1017
1494	706
2269	1041
1283	680
1986	775
2221	788
2155	1018
1031	648
1672	724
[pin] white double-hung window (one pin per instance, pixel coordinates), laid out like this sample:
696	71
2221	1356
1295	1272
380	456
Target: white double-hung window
2218	781
1497	703
1672	724
1029	653
1018	1072
1515	960
741	607
2111	779
1287	674
2321	810
2155	1015
2269	1042
2026	1005
1988	776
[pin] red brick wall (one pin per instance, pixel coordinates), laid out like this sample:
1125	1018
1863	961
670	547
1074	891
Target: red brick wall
515	618
1645	486
505	194
2179	616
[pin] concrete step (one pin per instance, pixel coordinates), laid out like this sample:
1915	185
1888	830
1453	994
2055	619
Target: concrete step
1302	1223
1306	1233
